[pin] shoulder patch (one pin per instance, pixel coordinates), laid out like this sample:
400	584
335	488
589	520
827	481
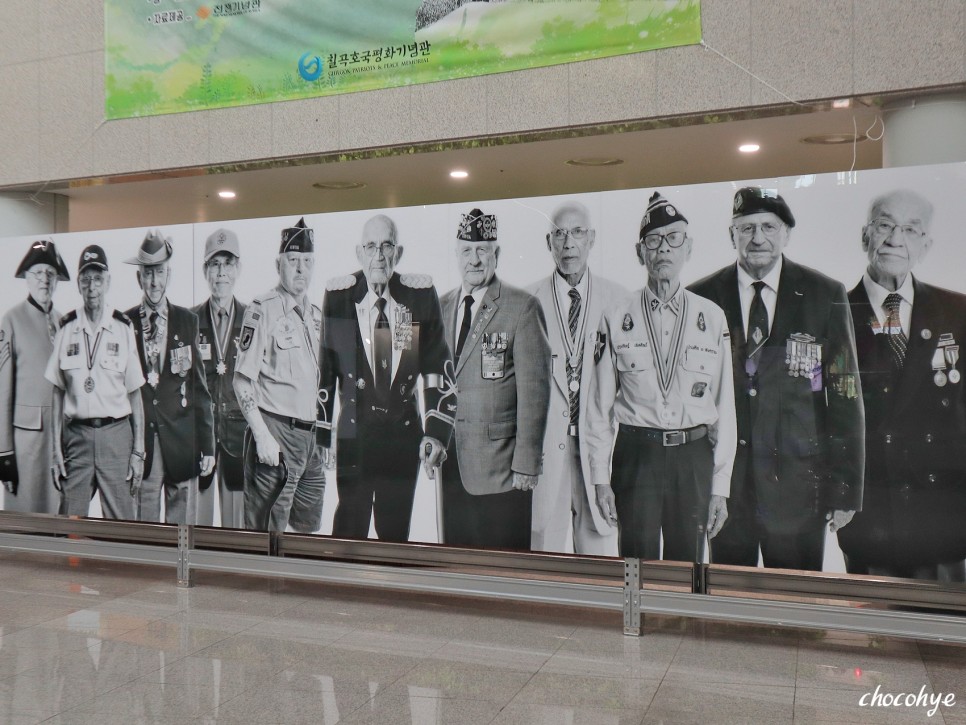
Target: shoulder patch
121	317
69	317
340	283
416	281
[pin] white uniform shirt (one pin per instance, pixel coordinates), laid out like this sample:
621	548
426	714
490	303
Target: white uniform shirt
877	294
107	354
367	313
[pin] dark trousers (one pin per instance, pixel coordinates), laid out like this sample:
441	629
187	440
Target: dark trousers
745	532
491	521
376	479
660	489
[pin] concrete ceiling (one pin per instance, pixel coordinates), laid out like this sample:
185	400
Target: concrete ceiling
703	152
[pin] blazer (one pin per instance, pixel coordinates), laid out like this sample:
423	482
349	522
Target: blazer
500	419
186	431
801	439
344	363
603	294
915	436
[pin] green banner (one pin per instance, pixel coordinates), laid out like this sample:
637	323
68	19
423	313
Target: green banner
166	56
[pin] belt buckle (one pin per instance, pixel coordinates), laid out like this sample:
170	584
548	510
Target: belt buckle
674	437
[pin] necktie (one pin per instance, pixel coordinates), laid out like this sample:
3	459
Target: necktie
573	373
382	347
222	325
154	349
757	325
898	342
298	311
465	326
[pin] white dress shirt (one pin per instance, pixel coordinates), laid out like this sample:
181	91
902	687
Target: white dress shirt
769	293
877	294
474	308
367	313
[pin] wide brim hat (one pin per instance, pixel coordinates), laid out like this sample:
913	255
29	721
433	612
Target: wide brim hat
43	251
155	249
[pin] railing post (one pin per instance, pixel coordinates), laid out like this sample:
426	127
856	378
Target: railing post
186	542
632	597
275	543
699	578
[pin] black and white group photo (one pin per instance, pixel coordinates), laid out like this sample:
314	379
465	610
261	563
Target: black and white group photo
764	372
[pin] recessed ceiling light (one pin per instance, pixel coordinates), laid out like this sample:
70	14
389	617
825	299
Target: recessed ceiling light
749	148
338	185
227	194
842	103
595	161
831	139
459	174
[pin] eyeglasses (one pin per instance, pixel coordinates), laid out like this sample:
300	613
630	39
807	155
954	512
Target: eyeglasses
385	247
222	264
884	228
769	230
86	281
654	241
578	234
43	274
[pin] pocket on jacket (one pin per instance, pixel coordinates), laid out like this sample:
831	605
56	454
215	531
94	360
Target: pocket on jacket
27	417
634	361
498	431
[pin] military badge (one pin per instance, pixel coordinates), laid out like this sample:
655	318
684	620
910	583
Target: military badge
600	343
701	323
361	384
246	337
628	323
73	348
113	349
697	390
926	334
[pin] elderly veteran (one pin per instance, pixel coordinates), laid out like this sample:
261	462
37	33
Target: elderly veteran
98	418
908	335
219	330
179	441
277	384
499	338
662	371
800	421
565	512
26	399
383	332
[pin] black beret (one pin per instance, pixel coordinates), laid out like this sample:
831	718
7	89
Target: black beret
754	200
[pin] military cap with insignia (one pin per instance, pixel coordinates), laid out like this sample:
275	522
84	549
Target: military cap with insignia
297	239
659	214
43	251
92	256
477	227
222	240
154	249
755	200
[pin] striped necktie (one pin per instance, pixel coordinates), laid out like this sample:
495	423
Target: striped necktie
898	342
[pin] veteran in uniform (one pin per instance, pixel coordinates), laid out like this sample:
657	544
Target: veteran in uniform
98	418
277	385
382	333
565	512
501	351
662	372
801	426
908	335
179	440
219	329
26	399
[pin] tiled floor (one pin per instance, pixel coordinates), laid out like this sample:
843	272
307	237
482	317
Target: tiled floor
100	643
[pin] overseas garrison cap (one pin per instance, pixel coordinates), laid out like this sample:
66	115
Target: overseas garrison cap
153	250
92	256
477	227
753	200
659	214
222	240
298	239
43	251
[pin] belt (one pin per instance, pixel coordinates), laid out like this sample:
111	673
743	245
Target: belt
97	422
667	437
290	422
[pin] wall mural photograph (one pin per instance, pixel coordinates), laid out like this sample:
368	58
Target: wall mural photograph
763	373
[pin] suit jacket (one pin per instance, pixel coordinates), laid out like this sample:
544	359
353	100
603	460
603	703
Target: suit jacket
501	421
186	432
344	362
915	436
802	439
603	294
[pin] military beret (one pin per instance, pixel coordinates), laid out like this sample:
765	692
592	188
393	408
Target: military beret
754	200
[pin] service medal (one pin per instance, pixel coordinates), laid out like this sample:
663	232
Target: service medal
574	386
184	402
954	376
221	368
361	384
939	378
153	379
89	385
